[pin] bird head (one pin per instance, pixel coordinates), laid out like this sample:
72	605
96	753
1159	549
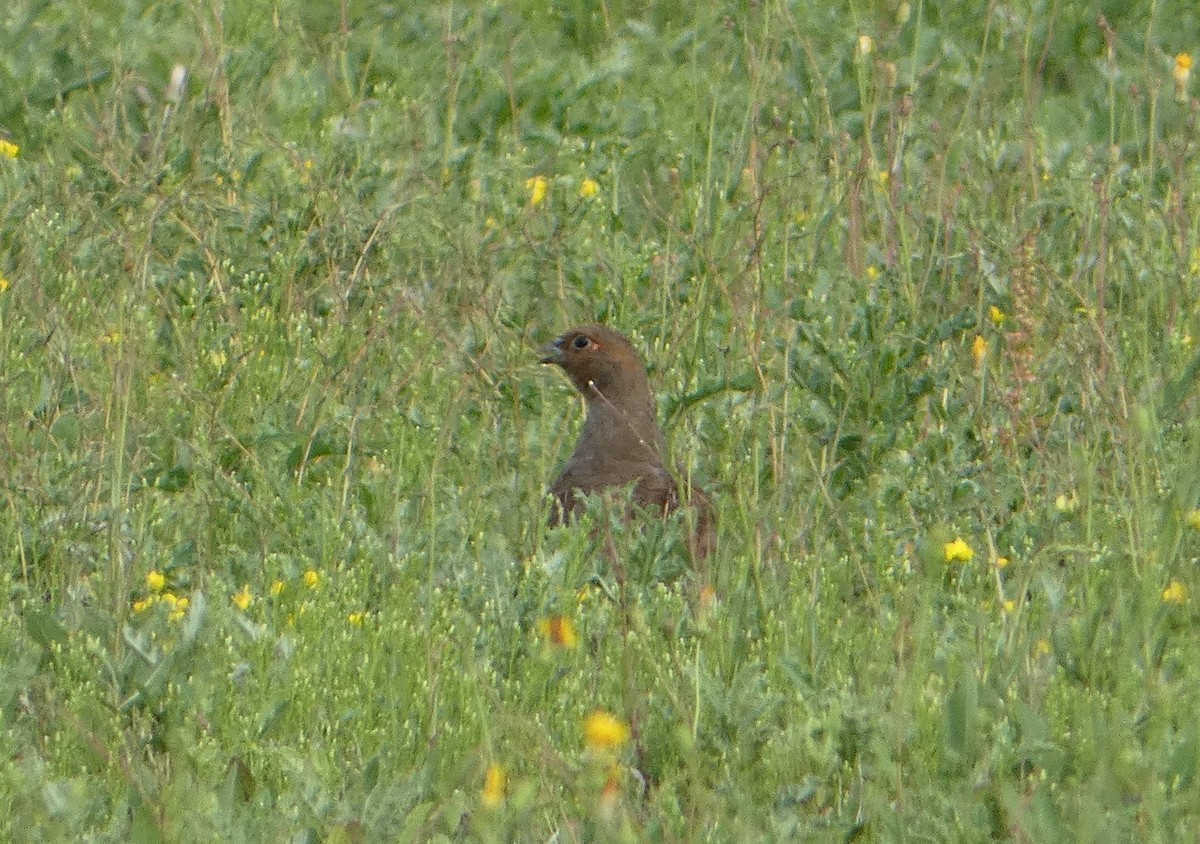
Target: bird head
599	361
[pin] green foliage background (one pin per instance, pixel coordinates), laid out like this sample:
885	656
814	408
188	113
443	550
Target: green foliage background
281	322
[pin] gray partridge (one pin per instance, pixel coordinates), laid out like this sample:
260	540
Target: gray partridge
621	443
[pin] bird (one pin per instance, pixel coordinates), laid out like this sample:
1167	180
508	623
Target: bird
621	444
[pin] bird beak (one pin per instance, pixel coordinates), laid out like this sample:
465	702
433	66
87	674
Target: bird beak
552	352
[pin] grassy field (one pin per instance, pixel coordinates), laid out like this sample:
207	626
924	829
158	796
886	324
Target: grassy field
918	287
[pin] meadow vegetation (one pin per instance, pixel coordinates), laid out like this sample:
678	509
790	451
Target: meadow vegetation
918	286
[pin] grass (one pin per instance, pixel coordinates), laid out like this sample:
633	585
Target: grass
276	442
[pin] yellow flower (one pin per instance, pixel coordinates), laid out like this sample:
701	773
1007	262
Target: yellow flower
883	177
355	619
559	631
180	608
537	187
1183	68
1042	648
1002	562
872	272
169	599
143	605
8	149
495	782
243	599
1065	504
276	588
1009	606
588	188
866	46
958	551
979	349
3	283
1193	520
155	581
604	731
1176	593
311	579
998	316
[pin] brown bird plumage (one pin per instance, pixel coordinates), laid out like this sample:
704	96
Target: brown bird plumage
621	443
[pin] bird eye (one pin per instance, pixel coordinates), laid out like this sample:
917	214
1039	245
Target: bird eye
581	342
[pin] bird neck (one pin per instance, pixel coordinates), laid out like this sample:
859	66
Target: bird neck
624	430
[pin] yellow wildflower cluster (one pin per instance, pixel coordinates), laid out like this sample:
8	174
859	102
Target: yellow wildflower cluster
958	551
1176	593
495	786
979	349
604	732
178	607
243	599
538	187
1182	73
156	582
8	149
559	631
